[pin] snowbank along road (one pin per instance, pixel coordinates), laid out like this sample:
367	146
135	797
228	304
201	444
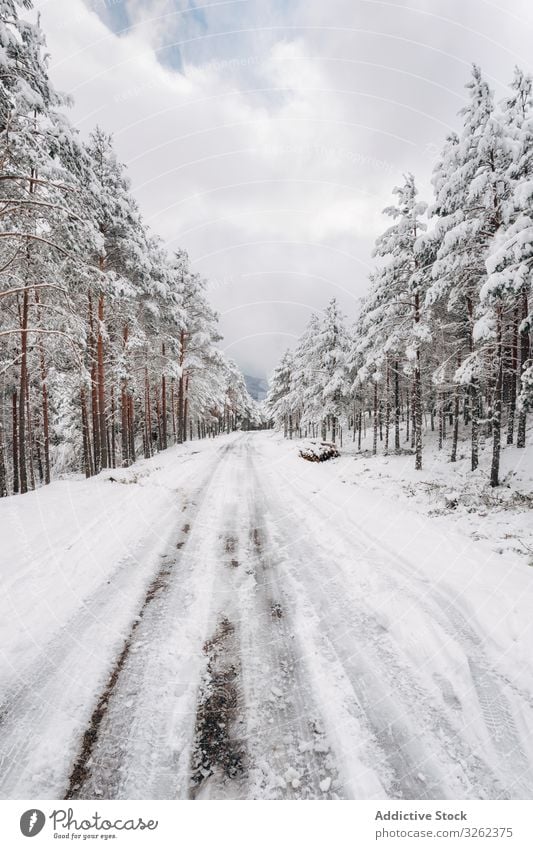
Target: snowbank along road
268	644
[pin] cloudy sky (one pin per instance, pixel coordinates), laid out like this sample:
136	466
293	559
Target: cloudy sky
265	136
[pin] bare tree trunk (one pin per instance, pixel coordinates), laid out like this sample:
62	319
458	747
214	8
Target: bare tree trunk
16	479
124	407
87	463
30	435
101	385
163	403
22	392
525	354
396	406
159	422
497	409
375	435
417	409
440	403
3	472
124	430
173	409
131	429
147	416
456	413
474	395
44	404
94	391
513	379
181	390
113	435
387	409
185	407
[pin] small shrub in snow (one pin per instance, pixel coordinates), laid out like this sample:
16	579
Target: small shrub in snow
317	452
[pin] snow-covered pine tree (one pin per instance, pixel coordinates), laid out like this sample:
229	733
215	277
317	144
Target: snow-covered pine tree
330	354
470	185
402	280
278	401
510	259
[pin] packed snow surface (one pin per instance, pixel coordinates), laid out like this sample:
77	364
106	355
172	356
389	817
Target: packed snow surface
229	621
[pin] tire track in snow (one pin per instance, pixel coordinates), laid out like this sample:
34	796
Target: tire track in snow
135	754
385	733
218	759
45	714
289	755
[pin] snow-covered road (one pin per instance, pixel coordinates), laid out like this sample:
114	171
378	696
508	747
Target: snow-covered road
275	632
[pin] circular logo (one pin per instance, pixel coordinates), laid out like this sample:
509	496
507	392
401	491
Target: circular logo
32	822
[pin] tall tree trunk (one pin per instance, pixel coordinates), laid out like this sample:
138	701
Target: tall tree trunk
113	431
173	410
159	423
163	403
131	429
101	384
456	413
94	389
474	393
497	408
30	435
124	430
3	471
513	379
525	354
440	404
181	390
375	434
124	406
22	391
474	412
44	403
15	444
417	410
396	406
387	409
147	416
87	463
185	407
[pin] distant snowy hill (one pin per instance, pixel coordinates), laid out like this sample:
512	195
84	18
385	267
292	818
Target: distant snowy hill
256	386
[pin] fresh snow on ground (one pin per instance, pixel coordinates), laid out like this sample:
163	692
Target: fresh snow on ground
231	621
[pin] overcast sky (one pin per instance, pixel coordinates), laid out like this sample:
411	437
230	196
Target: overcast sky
265	136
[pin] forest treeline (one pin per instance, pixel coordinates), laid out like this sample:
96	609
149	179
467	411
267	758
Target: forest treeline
443	337
108	344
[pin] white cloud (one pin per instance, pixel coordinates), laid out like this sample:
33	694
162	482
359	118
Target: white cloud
272	153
